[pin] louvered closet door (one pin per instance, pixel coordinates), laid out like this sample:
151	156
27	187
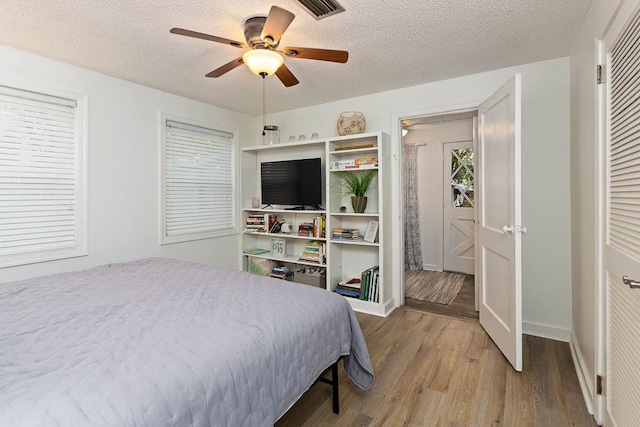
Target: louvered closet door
622	250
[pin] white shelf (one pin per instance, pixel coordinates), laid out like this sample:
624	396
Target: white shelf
290	211
354	151
358	242
284	235
285	145
344	258
353	214
362	168
366	306
289	258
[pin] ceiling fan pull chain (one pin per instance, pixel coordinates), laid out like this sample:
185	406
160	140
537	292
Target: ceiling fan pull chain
264	104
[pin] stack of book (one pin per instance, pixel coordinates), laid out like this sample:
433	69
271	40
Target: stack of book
349	288
254	223
359	163
346	234
314	251
305	229
370	290
260	222
280	271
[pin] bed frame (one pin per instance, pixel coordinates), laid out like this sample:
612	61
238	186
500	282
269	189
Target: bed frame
333	382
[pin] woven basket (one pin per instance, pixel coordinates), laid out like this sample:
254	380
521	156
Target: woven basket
351	123
301	276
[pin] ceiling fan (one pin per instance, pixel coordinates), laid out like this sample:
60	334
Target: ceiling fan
262	34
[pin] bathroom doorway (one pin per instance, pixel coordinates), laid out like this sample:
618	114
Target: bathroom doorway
438	172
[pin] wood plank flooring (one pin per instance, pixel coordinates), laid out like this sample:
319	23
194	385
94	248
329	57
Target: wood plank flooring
463	306
440	371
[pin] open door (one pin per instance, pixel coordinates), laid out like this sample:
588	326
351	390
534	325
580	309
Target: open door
499	219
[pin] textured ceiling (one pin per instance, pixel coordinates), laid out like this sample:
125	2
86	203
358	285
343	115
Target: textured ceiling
392	43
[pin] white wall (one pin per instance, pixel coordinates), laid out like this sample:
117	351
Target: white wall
545	169
430	140
123	165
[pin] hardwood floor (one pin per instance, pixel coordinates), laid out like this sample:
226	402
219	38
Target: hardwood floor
440	371
463	306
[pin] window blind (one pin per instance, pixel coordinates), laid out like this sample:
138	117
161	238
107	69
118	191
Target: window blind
38	173
199	181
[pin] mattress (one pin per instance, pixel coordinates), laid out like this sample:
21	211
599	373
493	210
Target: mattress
163	342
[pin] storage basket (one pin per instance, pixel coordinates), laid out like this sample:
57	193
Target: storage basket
308	276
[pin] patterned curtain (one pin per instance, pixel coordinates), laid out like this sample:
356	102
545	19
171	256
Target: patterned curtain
412	250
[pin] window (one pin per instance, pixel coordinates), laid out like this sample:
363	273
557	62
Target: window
199	183
42	210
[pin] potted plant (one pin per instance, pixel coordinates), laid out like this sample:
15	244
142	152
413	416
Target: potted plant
357	184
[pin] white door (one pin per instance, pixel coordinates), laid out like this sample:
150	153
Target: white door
622	223
499	228
458	206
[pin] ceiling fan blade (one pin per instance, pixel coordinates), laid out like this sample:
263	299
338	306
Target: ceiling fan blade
226	68
340	56
189	33
286	76
277	22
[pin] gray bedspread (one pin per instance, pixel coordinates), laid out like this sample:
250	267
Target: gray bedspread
162	342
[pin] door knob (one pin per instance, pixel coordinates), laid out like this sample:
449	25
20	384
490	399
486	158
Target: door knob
514	229
507	229
632	283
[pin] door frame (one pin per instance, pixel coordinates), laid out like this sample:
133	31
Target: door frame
397	228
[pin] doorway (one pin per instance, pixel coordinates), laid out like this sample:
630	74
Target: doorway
439	222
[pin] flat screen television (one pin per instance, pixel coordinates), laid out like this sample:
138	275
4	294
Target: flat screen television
296	183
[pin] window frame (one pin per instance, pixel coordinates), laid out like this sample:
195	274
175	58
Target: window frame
235	182
80	185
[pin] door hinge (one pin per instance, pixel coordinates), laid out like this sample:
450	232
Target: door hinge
599	384
599	76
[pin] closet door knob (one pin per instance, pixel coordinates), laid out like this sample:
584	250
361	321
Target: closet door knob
630	282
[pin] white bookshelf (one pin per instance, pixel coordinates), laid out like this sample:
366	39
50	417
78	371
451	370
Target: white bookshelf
345	259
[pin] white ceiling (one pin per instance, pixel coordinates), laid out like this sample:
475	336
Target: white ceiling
391	43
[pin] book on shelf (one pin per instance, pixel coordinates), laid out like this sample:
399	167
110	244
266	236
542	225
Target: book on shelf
347	293
319	225
314	251
370	284
372	232
305	229
280	271
269	222
254	223
346	234
255	251
353	283
260	222
366	161
354	147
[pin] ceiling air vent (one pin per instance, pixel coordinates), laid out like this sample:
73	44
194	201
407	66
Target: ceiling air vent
321	9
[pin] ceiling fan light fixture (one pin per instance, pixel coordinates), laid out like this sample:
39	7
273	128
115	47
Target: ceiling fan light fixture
263	62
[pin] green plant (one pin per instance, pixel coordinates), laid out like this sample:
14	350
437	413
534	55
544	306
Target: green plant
357	183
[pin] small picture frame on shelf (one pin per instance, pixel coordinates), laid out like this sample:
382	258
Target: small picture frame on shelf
279	248
372	232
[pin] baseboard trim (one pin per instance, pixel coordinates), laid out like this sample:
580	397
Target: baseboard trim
546	331
432	267
583	378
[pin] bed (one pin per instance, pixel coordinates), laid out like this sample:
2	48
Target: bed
163	342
